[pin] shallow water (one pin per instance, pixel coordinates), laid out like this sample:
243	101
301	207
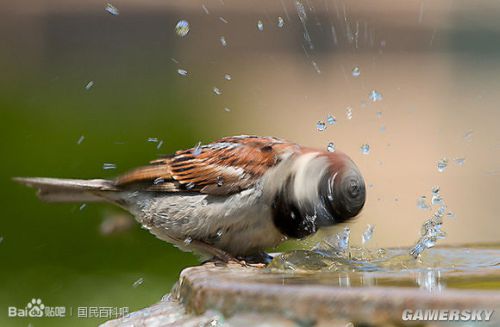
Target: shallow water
467	267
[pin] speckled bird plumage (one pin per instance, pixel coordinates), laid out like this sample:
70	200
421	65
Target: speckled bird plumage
236	196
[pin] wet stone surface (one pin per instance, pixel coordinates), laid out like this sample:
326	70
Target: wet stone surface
314	288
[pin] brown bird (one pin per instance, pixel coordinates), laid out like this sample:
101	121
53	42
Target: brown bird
231	198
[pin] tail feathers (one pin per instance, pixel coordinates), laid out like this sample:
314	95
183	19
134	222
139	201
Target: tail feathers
69	190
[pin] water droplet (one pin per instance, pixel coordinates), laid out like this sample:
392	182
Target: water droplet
197	150
223	41
138	282
182	28
375	96
188	240
348	113
260	25
316	67
367	234
222	19
159	144
459	161
450	214
379	114
205	9
83	206
108	166
468	135
281	22
112	9
356	71
89	85
182	72
436	199
343	239
190	186
159	180
442	164
330	147
217	91
227	109
80	140
331	120
321	126
365	149
422	203
152	139
220	181
228	77
382	129
301	11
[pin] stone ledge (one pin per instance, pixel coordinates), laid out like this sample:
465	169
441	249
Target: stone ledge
209	292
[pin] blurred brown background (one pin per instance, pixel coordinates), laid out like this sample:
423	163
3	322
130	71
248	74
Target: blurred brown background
436	64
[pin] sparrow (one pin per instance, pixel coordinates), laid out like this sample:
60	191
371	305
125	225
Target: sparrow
232	198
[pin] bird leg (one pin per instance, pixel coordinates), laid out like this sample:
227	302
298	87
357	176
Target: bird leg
217	254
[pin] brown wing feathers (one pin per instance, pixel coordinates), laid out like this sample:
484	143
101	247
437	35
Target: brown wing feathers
223	167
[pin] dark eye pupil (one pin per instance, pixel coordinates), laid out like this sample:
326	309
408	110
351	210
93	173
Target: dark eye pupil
353	188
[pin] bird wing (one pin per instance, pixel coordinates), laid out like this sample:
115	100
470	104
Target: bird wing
226	166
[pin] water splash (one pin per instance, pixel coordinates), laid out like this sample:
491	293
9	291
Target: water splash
112	10
260	26
320	126
356	72
365	149
182	72
375	96
367	234
182	28
281	22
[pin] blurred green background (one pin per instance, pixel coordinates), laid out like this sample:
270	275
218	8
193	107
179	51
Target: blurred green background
436	64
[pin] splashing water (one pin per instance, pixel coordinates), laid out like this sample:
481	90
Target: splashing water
375	96
182	72
182	28
422	203
80	140
89	85
356	71
260	25
431	231
320	126
108	166
367	234
348	113
442	164
217	91
197	150
138	282
223	41
111	9
316	67
365	149
281	22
